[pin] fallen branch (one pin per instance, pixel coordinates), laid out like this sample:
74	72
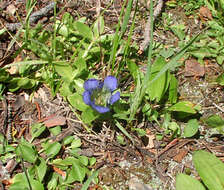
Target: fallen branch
34	17
147	32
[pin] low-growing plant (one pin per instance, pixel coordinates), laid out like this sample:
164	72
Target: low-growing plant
210	170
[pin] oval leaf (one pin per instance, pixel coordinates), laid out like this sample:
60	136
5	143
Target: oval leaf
191	129
53	149
210	169
185	182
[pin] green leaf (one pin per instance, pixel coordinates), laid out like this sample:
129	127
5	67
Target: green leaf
157	89
220	79
41	169
178	30
220	59
76	143
210	169
92	161
66	89
173	89
185	182
64	70
26	152
52	149
36	130
215	121
24	83
191	129
20	182
88	181
120	140
55	130
4	76
84	160
133	68
77	173
67	140
84	30
52	184
89	115
80	64
183	106
76	101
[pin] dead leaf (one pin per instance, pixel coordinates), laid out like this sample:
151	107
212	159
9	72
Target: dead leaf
11	9
205	13
54	121
193	68
181	154
150	142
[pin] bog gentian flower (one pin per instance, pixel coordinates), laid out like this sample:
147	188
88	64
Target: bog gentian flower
100	95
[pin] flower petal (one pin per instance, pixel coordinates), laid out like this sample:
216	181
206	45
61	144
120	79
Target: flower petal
86	96
115	97
110	83
100	109
91	84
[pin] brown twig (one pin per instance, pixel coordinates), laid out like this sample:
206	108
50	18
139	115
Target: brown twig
34	17
147	32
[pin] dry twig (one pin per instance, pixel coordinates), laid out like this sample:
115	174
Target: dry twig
34	17
147	32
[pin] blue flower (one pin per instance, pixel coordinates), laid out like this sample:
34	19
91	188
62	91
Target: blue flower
99	95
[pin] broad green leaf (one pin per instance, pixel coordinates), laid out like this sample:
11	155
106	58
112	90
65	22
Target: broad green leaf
133	68
4	76
210	169
77	173
185	182
66	89
66	162
80	64
173	89
183	106
191	129
220	79
84	30
67	140
62	28
20	183
141	132
52	184
64	70
84	160
76	101
76	143
26	152
24	83
52	149
36	130
80	171
89	115
178	30
120	140
92	161
215	121
220	59
55	130
41	169
166	53
157	89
